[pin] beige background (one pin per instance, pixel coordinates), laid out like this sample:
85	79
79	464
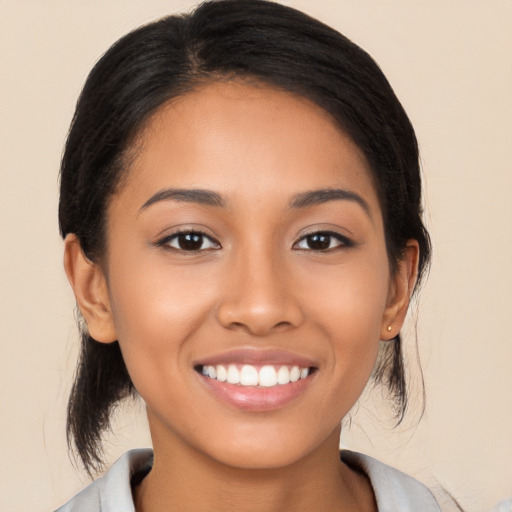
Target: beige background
450	63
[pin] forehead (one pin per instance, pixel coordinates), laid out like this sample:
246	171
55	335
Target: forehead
235	137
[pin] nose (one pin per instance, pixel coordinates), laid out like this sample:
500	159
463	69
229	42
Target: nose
259	298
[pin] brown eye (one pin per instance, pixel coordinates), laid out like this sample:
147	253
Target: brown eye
318	241
189	241
322	241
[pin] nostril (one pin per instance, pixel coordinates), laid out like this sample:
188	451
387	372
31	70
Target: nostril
237	325
259	314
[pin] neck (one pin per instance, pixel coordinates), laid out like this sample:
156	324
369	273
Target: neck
185	480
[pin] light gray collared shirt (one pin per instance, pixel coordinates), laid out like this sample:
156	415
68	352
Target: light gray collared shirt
394	490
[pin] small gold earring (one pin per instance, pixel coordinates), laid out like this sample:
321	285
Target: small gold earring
389	328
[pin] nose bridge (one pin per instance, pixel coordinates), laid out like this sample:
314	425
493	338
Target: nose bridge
257	297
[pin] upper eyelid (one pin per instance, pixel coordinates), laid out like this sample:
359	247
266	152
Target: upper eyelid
162	240
326	227
184	230
330	232
344	240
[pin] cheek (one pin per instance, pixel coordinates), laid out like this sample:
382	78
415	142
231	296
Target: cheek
348	305
350	300
147	292
155	311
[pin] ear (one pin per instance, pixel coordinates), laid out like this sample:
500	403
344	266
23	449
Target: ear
91	291
400	291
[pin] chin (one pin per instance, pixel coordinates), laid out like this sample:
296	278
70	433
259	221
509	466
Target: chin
270	458
268	450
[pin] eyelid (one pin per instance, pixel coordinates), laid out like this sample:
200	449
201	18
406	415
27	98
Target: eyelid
343	239
163	241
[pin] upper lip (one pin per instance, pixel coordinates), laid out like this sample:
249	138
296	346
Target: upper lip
257	357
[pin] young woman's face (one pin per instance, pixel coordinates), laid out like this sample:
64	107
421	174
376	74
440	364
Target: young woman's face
247	243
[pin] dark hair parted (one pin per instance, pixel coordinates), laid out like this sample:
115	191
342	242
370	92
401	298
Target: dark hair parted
223	40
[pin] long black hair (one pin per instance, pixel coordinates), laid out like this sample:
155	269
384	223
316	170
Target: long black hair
223	40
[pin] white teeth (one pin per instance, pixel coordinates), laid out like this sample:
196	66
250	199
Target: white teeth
233	375
222	374
295	374
283	375
249	376
267	376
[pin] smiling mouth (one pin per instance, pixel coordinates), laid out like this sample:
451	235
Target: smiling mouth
248	375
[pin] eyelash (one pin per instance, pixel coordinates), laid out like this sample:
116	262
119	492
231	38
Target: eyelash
330	236
342	241
166	241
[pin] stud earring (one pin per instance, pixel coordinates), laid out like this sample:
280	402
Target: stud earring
389	328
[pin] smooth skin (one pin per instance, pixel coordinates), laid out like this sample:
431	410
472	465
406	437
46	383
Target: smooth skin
190	275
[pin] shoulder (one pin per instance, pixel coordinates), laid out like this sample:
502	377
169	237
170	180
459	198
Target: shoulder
112	492
394	491
503	506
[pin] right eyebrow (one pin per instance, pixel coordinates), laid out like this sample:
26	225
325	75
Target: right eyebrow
193	195
321	196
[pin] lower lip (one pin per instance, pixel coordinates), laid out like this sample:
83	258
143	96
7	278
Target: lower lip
257	399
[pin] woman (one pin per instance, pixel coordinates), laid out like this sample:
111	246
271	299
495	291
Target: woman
241	207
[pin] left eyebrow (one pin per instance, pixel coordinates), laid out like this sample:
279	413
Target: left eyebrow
325	195
199	196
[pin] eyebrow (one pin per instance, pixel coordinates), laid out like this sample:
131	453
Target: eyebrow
299	201
199	196
317	197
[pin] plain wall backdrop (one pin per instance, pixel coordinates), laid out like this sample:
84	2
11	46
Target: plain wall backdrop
450	64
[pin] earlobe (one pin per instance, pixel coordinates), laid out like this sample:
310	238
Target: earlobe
90	289
401	288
